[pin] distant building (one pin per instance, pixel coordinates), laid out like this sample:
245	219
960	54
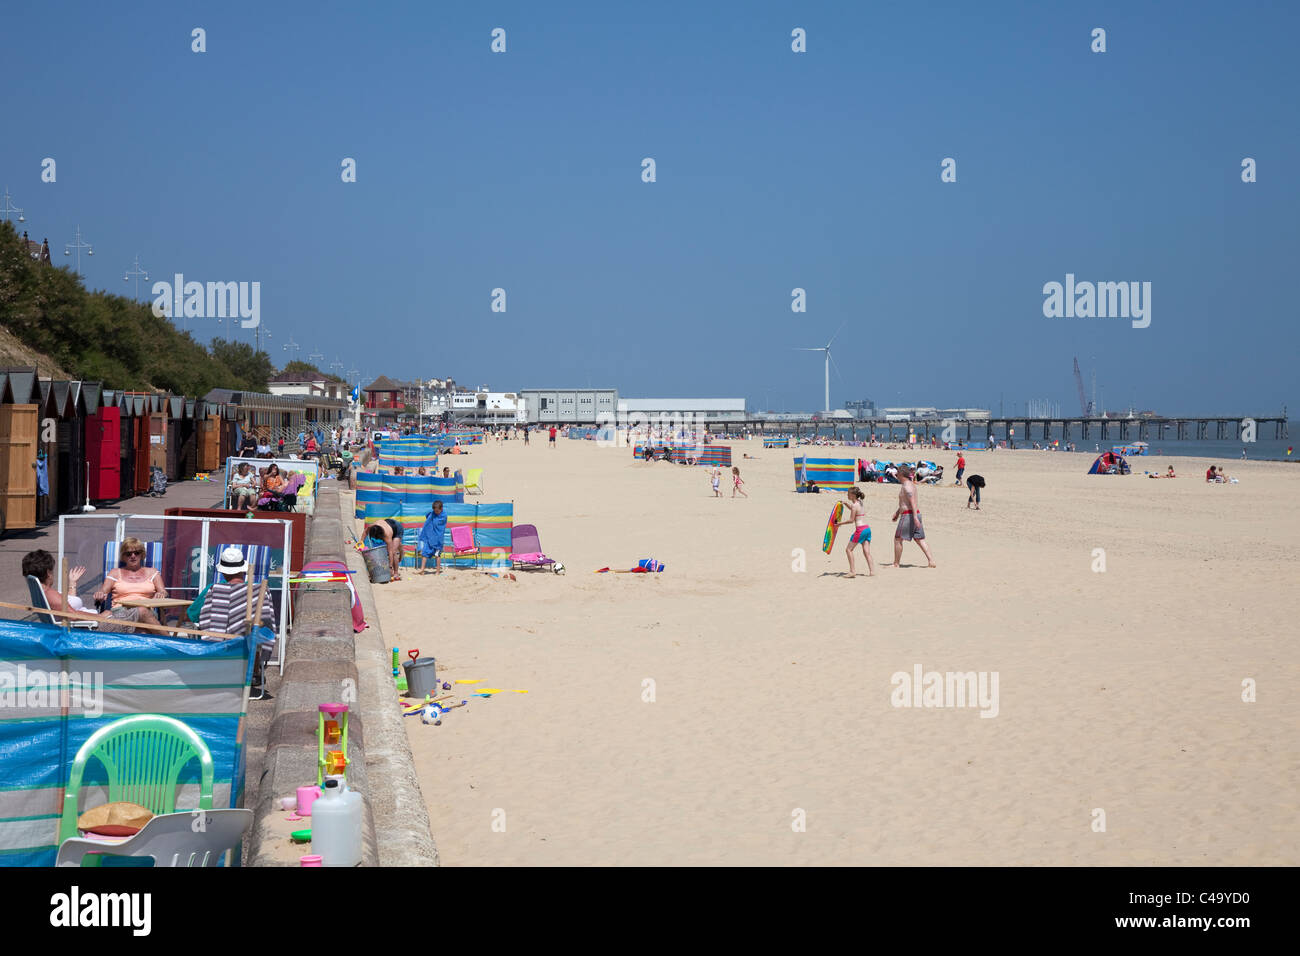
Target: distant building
865	408
569	405
920	413
488	408
40	251
294	383
907	413
704	410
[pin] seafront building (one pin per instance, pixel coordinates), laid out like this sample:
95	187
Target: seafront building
704	411
568	406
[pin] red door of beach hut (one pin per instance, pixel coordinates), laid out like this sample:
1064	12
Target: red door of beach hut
104	453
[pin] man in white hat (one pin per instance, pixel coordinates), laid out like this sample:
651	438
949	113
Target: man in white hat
228	607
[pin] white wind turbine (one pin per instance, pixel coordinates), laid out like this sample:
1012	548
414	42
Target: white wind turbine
827	349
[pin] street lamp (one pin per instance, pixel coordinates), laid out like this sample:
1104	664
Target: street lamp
9	207
292	347
138	273
78	244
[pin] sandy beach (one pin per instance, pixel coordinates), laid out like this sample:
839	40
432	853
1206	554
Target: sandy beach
1119	691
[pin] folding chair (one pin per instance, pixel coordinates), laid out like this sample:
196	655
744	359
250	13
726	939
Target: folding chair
462	542
38	599
526	549
153	555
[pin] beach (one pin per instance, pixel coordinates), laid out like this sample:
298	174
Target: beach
736	709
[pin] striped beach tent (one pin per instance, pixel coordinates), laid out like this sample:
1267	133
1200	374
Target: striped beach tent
491	524
107	676
835	474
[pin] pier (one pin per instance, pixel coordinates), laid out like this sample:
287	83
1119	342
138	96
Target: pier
1022	428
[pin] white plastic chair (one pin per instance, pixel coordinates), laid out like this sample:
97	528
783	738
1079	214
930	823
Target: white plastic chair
170	839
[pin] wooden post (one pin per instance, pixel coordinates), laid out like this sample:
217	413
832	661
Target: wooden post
63	590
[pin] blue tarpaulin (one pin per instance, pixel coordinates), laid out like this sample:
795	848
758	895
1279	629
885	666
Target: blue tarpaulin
58	687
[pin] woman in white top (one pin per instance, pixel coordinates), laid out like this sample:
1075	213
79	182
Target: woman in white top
40	565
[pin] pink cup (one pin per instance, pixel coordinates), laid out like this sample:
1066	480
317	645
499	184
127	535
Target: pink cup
306	797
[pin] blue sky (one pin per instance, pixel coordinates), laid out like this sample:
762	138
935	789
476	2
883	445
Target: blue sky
775	170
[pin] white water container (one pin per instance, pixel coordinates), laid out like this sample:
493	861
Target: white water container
336	825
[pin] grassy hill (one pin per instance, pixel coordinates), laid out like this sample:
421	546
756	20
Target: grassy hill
52	321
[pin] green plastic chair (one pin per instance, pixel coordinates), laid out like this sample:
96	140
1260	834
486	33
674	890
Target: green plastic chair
143	755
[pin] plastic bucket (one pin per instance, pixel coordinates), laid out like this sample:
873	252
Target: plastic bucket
377	565
421	676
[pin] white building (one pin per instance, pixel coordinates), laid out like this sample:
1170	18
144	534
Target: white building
700	410
487	407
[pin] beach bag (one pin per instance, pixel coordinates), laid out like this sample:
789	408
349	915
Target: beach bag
377	565
157	480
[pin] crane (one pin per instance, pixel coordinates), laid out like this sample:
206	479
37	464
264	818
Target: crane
1085	406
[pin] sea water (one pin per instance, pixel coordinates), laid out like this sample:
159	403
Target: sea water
1213	451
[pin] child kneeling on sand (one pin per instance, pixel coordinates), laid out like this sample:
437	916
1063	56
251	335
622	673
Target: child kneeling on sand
431	538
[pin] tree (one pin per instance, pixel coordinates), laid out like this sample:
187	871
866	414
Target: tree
309	371
253	368
111	339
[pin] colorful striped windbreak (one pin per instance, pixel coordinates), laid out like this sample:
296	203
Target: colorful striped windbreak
420	490
492	526
412	453
108	676
836	474
701	454
467	436
714	456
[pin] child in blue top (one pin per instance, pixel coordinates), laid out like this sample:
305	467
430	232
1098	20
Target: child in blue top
431	536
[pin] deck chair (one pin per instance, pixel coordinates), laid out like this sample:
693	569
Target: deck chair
462	542
526	549
38	599
143	756
170	839
474	480
153	555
